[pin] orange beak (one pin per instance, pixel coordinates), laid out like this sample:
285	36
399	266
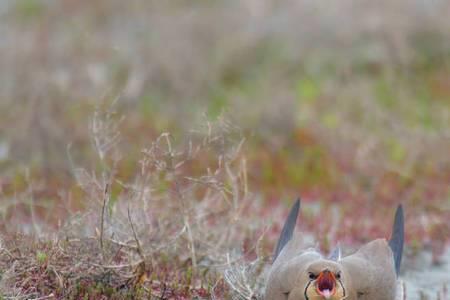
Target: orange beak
326	284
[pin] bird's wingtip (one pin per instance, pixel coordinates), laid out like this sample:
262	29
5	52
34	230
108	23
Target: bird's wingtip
398	235
335	254
288	228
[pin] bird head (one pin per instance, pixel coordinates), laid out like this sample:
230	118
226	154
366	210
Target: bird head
325	281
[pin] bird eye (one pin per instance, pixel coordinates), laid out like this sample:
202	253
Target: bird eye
338	275
312	276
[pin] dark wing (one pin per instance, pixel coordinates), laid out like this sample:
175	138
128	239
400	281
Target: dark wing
288	229
397	239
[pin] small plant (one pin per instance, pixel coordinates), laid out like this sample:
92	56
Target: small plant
41	257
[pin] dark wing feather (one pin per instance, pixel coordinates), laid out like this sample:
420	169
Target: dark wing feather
288	229
397	239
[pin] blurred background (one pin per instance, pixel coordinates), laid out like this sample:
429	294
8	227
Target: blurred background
346	103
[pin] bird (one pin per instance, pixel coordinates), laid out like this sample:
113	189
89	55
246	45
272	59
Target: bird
370	273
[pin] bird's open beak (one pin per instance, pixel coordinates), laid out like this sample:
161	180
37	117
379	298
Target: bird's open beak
326	284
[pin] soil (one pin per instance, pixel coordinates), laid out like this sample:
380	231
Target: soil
425	280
